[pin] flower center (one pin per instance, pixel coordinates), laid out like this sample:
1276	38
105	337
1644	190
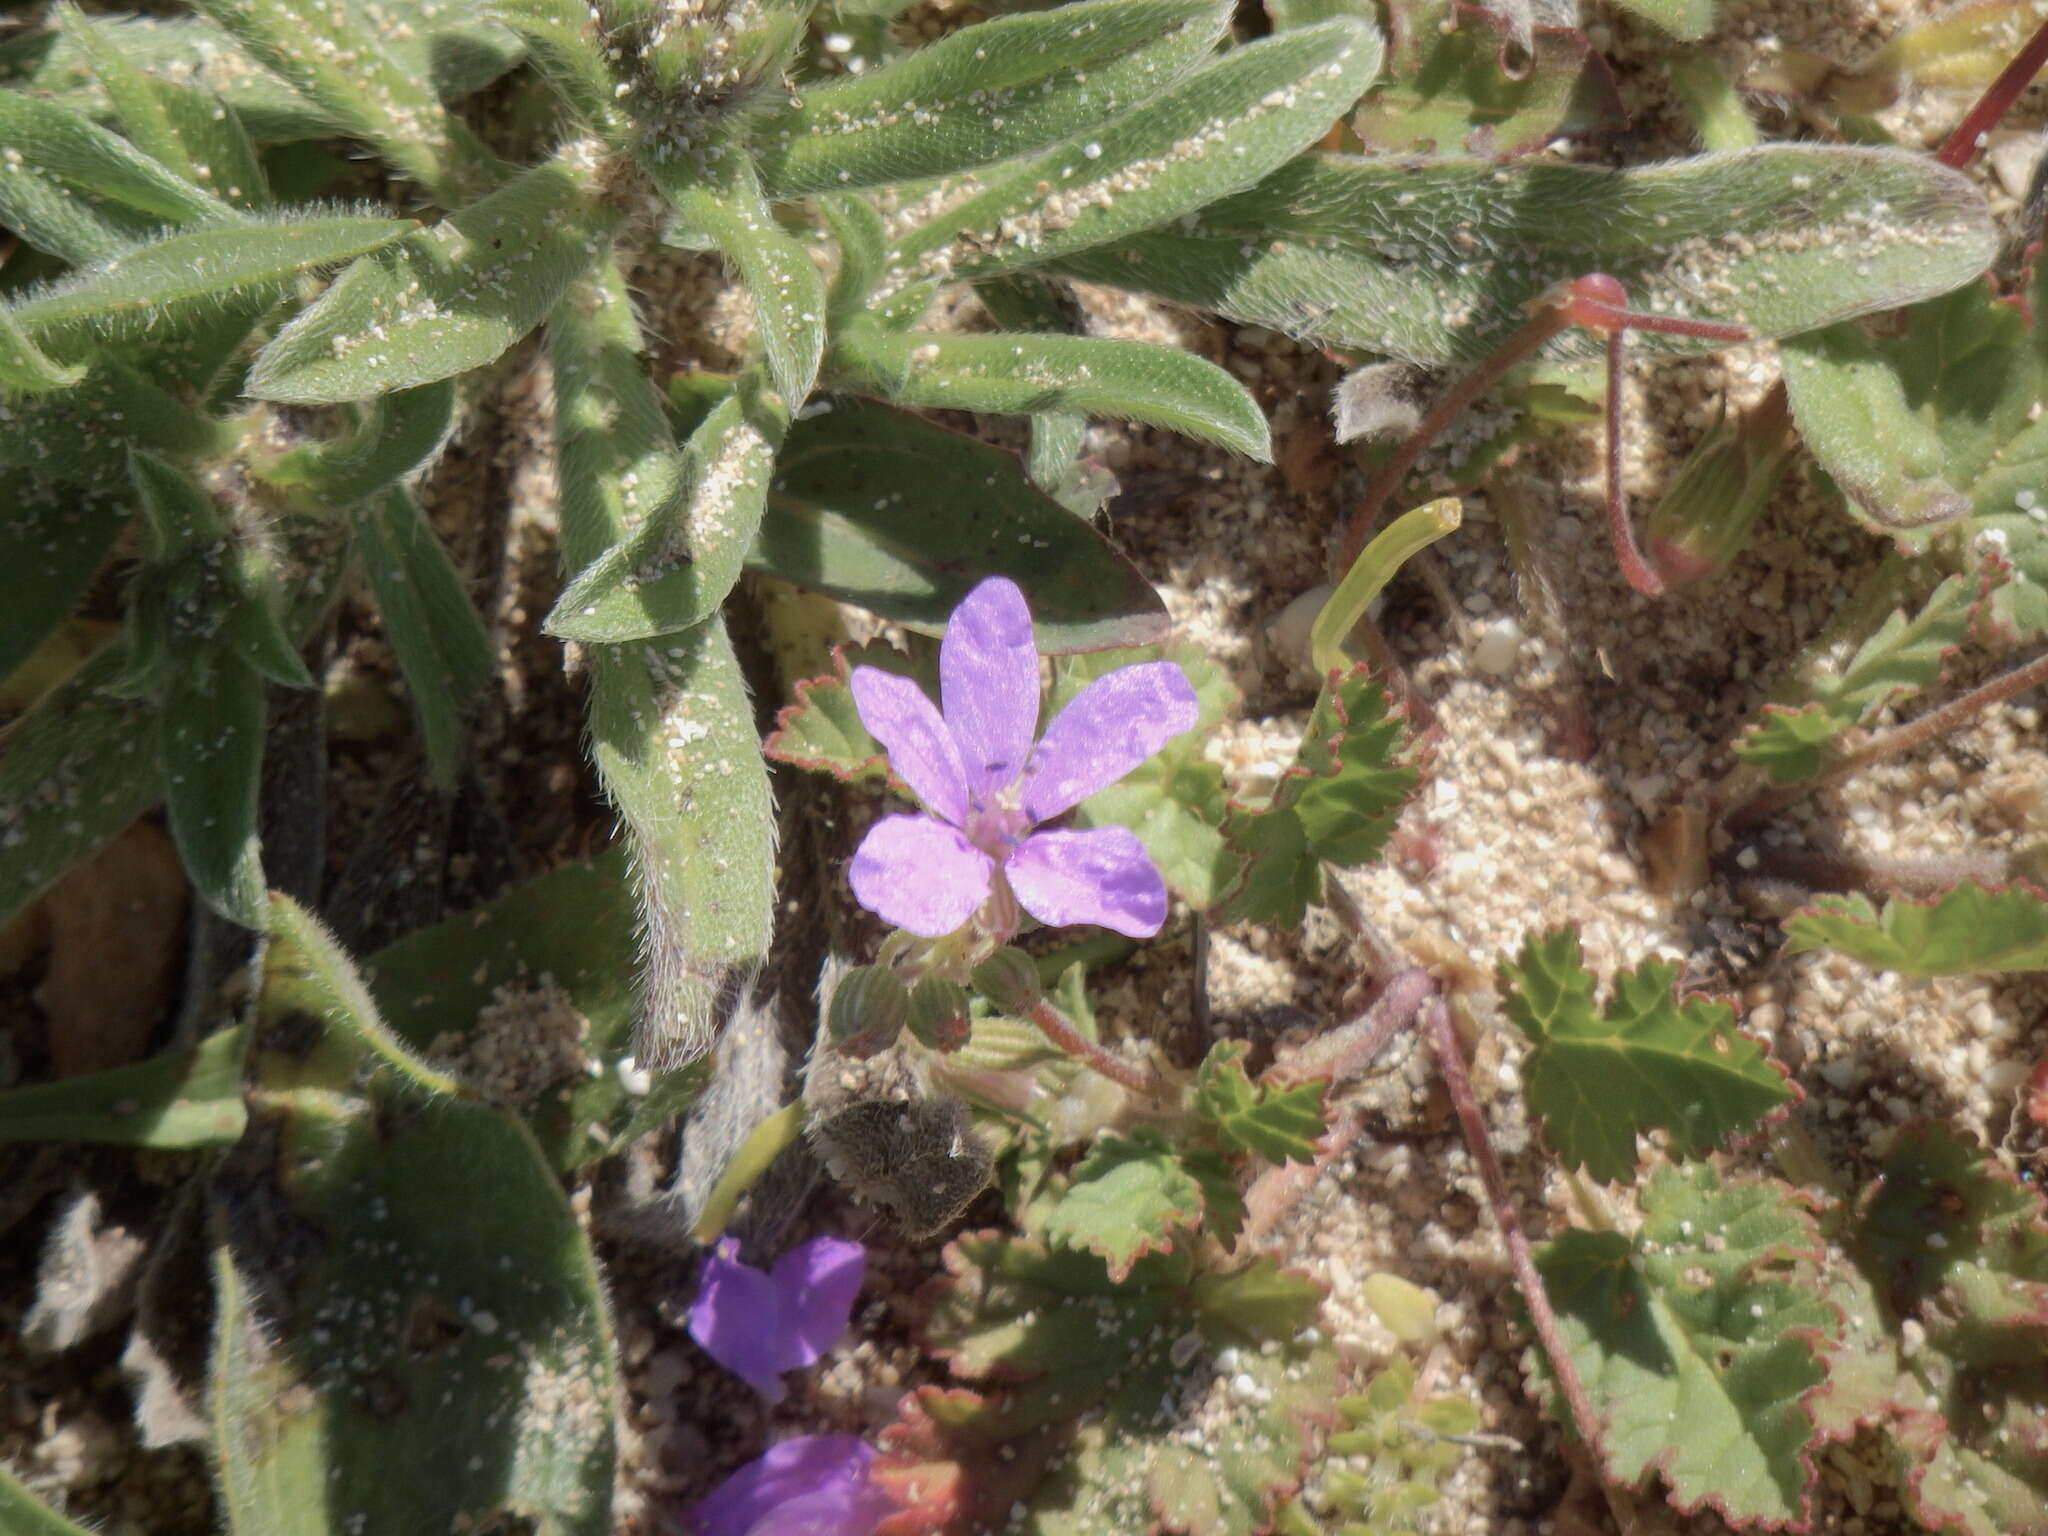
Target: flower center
997	825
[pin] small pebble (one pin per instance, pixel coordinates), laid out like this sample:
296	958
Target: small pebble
1498	645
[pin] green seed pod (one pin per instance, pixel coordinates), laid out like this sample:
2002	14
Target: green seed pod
1705	518
938	1014
1009	979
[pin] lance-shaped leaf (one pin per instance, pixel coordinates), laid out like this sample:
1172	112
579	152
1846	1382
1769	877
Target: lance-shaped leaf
677	567
1697	1342
1176	1400
464	982
565	42
1646	1059
1174	800
25	368
181	1099
1950	1341
1435	260
398	1271
50	547
197	273
1020	375
1968	931
1903	657
189	130
74	771
671	727
1212	134
80	437
1027	302
1282	1125
1336	803
210	742
1934	437
986	93
334	58
877	507
394	435
788	292
26	1515
75	157
433	628
442	301
1445	90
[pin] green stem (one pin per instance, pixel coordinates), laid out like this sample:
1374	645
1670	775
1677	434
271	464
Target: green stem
765	1142
1391	548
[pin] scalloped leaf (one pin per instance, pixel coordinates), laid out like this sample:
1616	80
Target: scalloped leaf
1023	81
1282	1125
449	1296
1698	1342
1933	438
678	566
1435	260
1214	133
1903	657
822	729
1971	930
1021	375
514	958
1648	1059
1098	1434
876	507
442	301
1958	1247
1128	1197
1337	803
1444	90
178	1100
1173	800
196	273
443	649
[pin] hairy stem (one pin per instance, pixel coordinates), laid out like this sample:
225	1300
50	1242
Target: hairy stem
1350	1049
1451	1062
1054	1026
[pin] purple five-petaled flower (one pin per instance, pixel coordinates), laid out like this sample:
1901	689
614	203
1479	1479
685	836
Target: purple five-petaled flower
811	1485
988	787
758	1324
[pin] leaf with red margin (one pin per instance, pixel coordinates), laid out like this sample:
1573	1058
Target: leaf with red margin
1955	1245
1089	1391
1697	1342
821	730
1129	1197
1970	930
1444	89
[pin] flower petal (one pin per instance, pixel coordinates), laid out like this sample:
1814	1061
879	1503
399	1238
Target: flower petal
835	1466
1110	727
734	1320
921	751
834	1512
815	1284
919	874
1102	876
988	683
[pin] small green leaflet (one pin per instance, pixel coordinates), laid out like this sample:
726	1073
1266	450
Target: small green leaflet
1279	1124
1598	1077
1971	930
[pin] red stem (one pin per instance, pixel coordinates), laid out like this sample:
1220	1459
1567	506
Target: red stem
1620	532
1451	1062
1054	1026
1962	145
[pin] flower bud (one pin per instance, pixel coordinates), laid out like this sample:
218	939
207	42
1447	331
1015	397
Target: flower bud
938	1014
867	1012
1009	979
1706	516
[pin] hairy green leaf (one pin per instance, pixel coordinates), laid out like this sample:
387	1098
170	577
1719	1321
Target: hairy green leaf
677	567
1931	434
983	94
1903	657
50	548
210	714
198	272
181	1099
23	1514
879	508
671	727
1436	260
1697	1342
1025	374
1336	803
1173	800
1128	1197
1177	1397
1281	1125
433	628
58	153
1968	931
565	41
394	435
442	301
450	1292
1599	1076
25	368
79	437
1444	90
1213	133
1686	20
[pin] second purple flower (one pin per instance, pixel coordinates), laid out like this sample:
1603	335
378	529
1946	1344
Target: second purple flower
988	788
